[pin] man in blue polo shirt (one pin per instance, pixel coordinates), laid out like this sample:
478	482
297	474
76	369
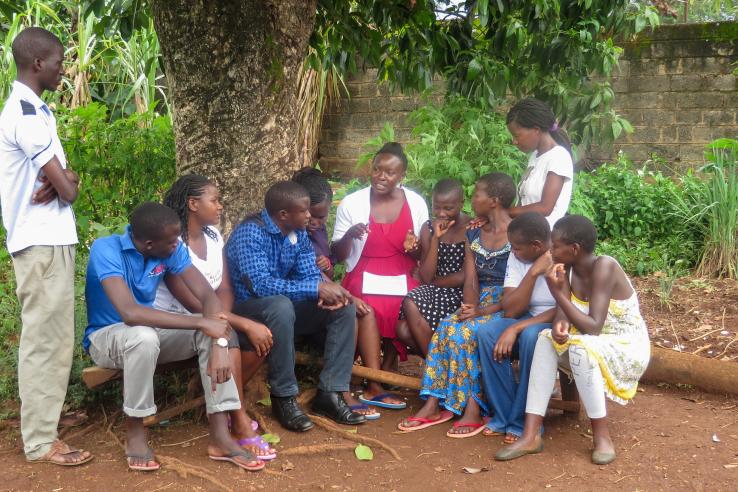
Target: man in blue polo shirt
276	282
125	332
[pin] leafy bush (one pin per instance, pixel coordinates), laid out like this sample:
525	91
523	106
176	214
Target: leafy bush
637	217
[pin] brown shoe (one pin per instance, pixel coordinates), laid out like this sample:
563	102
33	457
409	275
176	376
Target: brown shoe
59	455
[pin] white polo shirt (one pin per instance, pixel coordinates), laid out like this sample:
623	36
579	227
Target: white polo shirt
28	141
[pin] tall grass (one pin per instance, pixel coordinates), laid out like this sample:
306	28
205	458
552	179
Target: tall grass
713	210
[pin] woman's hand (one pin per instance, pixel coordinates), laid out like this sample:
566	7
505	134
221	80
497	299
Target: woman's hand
324	264
469	311
503	347
362	308
357	231
556	279
441	227
560	331
411	243
542	264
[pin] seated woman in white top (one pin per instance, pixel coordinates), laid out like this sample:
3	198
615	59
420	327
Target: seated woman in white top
197	202
546	185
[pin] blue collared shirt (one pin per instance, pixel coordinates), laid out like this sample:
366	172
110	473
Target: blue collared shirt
264	262
116	256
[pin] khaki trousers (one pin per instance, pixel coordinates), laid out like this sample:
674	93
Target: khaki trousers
45	279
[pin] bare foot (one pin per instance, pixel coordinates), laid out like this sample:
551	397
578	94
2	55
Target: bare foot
430	410
351	401
138	452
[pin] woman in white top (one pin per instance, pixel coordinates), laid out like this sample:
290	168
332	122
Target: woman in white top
546	185
197	202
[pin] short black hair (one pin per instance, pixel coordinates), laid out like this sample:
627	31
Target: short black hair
315	183
577	229
395	149
501	186
532	226
448	186
33	43
149	220
283	195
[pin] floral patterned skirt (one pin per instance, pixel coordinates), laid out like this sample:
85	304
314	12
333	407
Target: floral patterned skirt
452	369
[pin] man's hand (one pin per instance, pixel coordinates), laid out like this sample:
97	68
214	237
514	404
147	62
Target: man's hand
219	366
214	327
503	347
324	264
47	192
332	296
469	311
357	231
560	331
441	227
411	242
258	334
362	308
542	264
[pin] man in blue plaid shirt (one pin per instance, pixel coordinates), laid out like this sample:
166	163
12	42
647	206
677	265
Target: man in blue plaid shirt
276	281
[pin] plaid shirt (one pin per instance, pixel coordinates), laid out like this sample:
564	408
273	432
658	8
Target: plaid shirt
264	262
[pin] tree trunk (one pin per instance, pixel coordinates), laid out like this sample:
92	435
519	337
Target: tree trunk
232	69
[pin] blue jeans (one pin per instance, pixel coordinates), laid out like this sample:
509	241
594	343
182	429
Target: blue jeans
504	394
286	319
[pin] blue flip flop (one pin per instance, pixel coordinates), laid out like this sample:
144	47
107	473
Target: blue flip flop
377	401
362	406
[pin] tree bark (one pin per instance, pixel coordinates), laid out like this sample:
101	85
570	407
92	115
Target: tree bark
231	68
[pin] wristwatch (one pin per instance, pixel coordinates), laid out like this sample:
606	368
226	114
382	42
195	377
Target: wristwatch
222	342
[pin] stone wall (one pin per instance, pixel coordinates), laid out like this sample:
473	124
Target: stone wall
675	85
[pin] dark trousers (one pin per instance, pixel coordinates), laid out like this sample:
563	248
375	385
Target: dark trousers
286	319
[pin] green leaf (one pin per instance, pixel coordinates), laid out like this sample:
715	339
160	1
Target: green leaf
474	69
617	129
271	438
267	402
364	453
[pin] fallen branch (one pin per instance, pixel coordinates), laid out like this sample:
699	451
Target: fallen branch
329	426
260	419
185	442
82	432
184	470
315	448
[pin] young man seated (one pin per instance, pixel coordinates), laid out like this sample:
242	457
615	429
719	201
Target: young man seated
276	282
125	332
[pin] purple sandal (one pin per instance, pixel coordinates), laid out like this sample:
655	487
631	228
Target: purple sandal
259	442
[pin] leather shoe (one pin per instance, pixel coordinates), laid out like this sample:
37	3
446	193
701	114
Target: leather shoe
332	405
290	415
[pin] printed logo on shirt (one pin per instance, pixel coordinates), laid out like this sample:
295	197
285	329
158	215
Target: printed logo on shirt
157	270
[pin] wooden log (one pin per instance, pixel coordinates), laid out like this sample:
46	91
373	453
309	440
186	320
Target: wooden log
411	382
670	366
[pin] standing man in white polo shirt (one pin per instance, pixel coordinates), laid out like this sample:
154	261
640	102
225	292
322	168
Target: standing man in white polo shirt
36	193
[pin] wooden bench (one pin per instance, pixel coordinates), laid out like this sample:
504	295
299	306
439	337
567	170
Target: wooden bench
94	377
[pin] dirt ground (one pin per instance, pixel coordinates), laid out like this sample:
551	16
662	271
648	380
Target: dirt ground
670	437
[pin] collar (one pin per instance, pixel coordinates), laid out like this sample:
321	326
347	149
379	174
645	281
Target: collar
25	93
126	240
269	224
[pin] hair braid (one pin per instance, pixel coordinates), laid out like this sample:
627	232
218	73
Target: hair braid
534	113
177	198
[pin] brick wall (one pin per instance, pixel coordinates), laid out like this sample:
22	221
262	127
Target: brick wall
675	85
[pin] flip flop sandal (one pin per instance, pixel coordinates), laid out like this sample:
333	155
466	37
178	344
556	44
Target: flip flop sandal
259	442
445	416
377	401
231	458
476	429
492	433
510	439
368	416
148	457
61	448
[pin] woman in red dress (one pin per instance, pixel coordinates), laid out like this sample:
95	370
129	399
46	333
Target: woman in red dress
376	233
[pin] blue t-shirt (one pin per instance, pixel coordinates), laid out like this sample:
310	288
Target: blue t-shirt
116	256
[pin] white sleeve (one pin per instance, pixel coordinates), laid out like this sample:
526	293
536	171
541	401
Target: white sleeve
560	163
514	272
422	217
34	138
343	221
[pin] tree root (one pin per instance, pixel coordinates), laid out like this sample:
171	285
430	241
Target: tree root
306	396
260	419
82	432
315	448
184	469
329	426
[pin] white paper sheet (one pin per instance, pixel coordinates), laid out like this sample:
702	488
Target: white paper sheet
385	285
